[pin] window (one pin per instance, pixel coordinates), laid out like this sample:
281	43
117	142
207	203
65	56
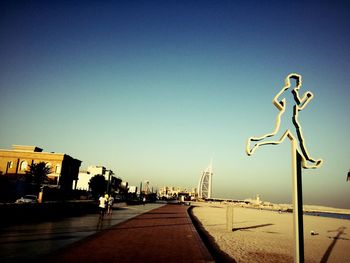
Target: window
10	164
23	166
58	169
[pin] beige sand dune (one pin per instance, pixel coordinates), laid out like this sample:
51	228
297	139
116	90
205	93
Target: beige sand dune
267	236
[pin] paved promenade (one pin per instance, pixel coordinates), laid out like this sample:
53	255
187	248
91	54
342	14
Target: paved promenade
165	234
29	241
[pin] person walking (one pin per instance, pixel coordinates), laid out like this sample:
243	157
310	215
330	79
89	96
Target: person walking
110	204
102	206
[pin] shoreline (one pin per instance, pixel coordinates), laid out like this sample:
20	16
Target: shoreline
309	212
285	207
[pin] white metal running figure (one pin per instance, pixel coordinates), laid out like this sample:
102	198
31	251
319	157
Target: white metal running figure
296	104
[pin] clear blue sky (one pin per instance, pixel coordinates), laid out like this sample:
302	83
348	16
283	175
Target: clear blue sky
154	89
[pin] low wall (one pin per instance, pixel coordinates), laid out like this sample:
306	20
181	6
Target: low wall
23	213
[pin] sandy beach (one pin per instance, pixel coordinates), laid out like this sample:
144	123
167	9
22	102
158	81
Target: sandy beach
267	236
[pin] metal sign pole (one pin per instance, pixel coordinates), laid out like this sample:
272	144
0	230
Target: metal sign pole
300	156
297	205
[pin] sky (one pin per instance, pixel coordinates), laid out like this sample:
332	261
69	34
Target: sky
156	89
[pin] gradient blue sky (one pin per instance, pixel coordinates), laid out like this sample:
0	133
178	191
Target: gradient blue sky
154	89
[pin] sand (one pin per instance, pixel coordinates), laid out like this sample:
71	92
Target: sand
267	236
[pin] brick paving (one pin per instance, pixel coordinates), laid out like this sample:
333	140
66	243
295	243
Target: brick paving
165	234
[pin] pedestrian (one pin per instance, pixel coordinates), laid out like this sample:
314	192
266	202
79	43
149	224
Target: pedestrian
102	206
110	204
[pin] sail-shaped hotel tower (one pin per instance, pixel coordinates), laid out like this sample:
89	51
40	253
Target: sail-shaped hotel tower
205	181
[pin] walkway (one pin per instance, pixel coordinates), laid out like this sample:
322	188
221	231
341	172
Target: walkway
165	234
29	241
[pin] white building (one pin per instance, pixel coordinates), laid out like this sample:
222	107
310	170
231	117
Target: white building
85	176
132	189
205	183
174	191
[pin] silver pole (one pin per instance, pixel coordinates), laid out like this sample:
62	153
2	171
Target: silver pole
297	205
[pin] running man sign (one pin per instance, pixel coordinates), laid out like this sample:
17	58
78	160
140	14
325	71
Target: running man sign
290	103
296	104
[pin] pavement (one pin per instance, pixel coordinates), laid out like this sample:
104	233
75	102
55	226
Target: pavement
165	234
29	241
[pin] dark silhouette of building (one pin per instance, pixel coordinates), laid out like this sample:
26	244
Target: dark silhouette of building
14	164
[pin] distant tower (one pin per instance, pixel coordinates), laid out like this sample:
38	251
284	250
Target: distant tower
258	199
146	188
205	181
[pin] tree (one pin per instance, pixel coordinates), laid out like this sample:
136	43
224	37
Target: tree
98	185
38	173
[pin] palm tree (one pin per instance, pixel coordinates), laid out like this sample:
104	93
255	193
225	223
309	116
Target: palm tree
98	185
38	173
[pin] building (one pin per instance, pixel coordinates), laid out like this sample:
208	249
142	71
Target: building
83	180
85	176
169	192
132	189
205	183
16	161
145	188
